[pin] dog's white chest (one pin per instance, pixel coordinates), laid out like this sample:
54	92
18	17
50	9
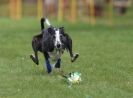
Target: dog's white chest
55	55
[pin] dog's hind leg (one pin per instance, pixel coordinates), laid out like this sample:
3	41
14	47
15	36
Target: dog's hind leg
35	58
69	46
35	45
73	56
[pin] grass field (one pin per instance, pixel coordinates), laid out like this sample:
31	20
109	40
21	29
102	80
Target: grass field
106	62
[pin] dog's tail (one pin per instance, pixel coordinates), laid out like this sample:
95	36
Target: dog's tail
46	21
42	23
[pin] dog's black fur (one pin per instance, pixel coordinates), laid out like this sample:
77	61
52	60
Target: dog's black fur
43	42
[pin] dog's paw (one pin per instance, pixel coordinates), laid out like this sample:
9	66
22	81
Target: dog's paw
34	59
32	56
74	57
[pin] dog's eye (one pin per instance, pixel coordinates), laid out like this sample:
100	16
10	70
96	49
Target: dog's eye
53	37
61	36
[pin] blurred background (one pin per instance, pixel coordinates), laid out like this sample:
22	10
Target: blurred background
90	11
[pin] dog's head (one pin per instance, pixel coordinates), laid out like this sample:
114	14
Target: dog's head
58	37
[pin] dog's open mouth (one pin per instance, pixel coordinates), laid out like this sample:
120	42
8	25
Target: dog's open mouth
59	47
56	54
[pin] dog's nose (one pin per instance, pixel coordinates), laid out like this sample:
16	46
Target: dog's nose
58	45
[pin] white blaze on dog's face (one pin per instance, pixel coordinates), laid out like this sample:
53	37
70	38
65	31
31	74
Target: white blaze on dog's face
57	39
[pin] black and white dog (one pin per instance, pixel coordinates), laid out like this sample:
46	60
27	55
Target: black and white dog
52	42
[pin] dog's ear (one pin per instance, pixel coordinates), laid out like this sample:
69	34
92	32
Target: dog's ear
51	30
62	30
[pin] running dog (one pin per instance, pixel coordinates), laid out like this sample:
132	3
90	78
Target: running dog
52	42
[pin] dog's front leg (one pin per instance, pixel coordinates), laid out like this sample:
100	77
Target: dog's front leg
49	68
48	65
58	63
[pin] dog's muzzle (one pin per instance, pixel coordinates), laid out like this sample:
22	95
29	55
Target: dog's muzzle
58	46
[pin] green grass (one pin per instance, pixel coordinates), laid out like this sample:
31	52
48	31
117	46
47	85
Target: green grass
106	62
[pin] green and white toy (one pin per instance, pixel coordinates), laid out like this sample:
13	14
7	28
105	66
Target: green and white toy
73	78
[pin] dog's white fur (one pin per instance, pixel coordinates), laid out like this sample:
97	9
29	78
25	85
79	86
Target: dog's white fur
55	54
57	37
